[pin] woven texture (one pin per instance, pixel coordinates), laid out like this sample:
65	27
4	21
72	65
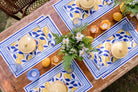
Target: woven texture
35	5
12	7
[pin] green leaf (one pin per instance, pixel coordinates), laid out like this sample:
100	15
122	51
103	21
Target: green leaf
66	64
87	41
58	38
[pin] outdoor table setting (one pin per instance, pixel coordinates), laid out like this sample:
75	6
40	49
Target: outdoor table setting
69	46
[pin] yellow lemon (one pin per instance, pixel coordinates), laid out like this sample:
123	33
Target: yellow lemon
117	16
46	62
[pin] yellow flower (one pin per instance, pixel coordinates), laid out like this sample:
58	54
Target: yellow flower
66	41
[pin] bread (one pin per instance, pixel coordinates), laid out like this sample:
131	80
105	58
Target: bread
58	86
86	4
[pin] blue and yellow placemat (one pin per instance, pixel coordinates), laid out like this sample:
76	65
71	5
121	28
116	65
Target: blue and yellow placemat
41	30
102	63
68	10
75	82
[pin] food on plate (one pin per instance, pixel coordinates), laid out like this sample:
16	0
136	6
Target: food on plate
105	24
27	44
117	16
58	86
86	4
46	62
119	50
55	60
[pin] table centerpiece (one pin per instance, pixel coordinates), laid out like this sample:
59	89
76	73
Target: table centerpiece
128	7
74	45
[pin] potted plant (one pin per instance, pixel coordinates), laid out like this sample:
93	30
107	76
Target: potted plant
128	6
74	45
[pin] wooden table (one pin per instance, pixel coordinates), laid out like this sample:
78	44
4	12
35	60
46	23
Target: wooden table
9	83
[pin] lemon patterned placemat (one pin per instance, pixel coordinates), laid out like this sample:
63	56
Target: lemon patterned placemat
102	60
20	62
68	10
75	82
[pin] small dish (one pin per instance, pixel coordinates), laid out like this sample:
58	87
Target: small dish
33	74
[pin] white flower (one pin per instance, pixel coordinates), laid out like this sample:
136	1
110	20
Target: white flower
81	52
79	37
63	47
85	49
66	41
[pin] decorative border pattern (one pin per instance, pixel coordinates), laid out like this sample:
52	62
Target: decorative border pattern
106	71
35	60
79	76
91	18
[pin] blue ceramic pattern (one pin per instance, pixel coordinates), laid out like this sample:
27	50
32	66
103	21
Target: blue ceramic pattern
38	34
41	30
104	52
74	11
103	43
75	81
68	10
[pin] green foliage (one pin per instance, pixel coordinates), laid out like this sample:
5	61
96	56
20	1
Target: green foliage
131	6
75	45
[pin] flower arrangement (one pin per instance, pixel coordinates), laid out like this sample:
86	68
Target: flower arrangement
128	6
74	45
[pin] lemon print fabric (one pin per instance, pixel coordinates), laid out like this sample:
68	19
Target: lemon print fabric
103	56
43	38
73	9
70	80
